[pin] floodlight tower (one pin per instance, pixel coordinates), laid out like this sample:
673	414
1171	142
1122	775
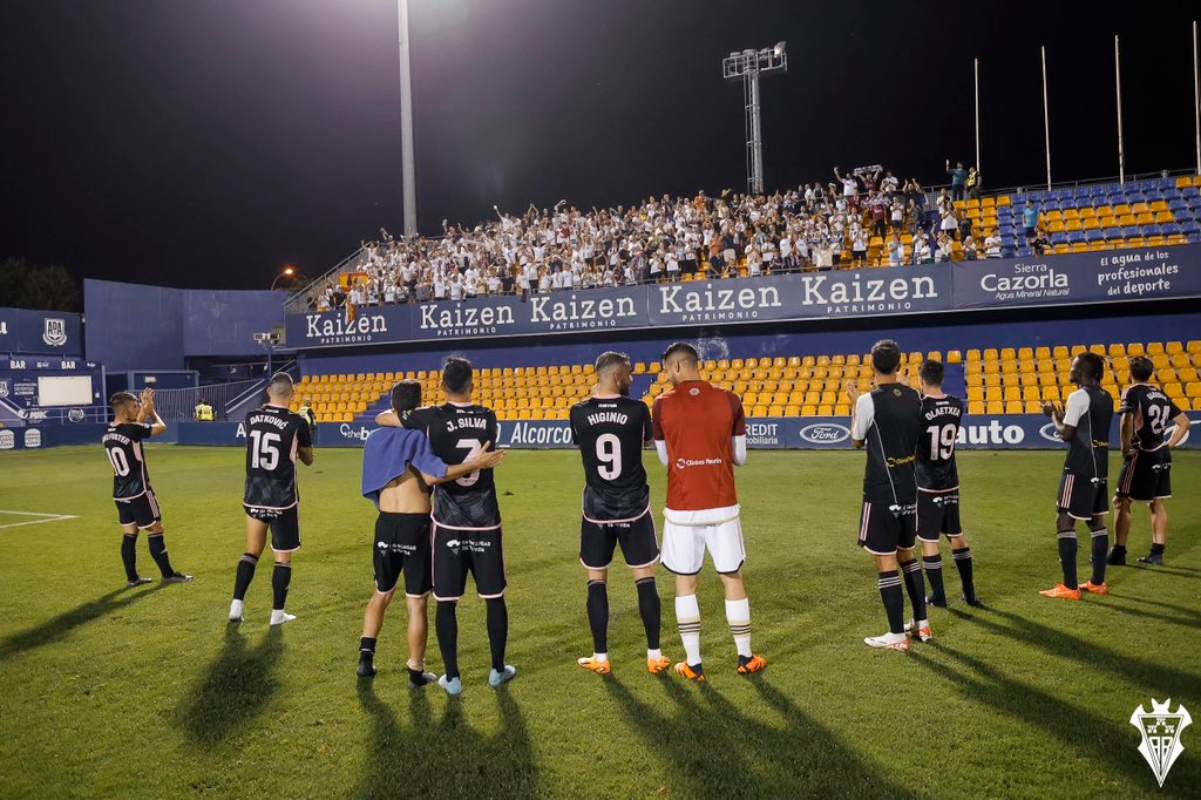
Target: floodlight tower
408	180
747	66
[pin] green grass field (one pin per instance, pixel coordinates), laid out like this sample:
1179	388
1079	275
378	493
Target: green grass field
107	692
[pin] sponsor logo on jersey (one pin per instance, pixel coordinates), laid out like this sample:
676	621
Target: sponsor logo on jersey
33	437
685	463
1161	728
7	440
825	433
54	331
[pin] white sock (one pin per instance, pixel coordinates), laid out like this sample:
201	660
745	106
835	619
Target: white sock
236	607
688	617
738	614
600	658
654	655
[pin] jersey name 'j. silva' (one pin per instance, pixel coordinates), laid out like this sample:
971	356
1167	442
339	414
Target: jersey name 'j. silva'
465	422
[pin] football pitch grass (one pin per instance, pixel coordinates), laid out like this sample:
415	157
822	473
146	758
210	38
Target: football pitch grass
109	692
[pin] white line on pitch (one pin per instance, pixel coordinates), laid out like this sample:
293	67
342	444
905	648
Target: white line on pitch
43	518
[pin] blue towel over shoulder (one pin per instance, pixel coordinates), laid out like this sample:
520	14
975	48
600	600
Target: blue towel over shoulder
389	452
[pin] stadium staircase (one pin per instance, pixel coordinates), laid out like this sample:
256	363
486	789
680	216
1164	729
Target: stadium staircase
1004	380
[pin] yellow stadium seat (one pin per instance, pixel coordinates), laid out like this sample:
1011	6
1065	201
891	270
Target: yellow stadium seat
975	407
809	411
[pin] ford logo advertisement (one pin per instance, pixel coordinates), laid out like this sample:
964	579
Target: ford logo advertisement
826	433
1049	433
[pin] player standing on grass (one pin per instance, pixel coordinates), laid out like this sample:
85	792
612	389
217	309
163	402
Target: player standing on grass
466	522
1084	424
275	438
137	505
1146	475
938	487
888	422
610	430
398	470
700	434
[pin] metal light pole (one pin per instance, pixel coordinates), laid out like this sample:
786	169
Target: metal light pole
1117	82
406	123
747	66
1197	97
1046	117
287	272
976	96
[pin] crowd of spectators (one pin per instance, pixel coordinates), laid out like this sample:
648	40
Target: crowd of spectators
813	227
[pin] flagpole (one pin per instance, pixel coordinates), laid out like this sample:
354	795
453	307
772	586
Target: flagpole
1117	80
976	81
1046	116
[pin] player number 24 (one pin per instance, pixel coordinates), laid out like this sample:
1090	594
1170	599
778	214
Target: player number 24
263	451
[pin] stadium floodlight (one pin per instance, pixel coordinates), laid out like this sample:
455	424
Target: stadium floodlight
287	272
747	66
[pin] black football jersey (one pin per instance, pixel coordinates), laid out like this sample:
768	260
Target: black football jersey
890	439
273	436
1153	412
456	434
936	469
610	434
1090	410
123	446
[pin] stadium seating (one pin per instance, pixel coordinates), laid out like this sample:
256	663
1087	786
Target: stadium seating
1004	380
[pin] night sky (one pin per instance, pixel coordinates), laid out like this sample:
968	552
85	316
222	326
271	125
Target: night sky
206	143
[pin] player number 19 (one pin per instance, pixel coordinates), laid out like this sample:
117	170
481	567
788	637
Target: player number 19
942	442
608	456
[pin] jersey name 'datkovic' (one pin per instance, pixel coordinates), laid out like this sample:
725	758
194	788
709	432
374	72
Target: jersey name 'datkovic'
936	469
610	433
456	434
273	436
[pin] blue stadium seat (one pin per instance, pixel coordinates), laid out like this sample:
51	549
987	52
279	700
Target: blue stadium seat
1131	232
1192	228
1094	236
1007	252
1075	237
1059	238
1112	233
1150	230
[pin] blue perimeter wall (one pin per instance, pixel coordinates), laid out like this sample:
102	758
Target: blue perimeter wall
942	337
130	326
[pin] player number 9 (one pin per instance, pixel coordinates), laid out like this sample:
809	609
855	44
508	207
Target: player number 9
608	456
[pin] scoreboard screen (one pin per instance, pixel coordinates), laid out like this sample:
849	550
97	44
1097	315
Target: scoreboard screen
66	390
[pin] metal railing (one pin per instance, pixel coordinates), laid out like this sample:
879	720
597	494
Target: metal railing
180	404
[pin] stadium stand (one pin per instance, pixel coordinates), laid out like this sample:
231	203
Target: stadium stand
1009	380
869	222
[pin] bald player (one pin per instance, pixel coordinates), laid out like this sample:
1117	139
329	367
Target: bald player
700	434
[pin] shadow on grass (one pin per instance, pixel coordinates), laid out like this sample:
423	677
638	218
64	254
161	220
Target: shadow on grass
713	750
57	628
445	759
1109	746
236	687
1193	620
1157	678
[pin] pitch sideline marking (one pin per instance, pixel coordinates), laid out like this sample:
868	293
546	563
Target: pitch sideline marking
44	518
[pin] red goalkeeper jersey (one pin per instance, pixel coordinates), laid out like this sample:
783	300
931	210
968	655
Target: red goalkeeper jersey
697	422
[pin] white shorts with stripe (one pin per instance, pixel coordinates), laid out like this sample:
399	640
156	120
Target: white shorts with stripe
687	535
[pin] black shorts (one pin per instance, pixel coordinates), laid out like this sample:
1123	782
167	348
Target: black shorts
1146	476
886	526
285	526
457	551
142	511
639	546
1082	497
402	544
937	514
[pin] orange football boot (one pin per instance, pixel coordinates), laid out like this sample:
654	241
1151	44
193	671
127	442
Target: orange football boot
656	667
686	672
756	664
1061	592
599	667
1099	589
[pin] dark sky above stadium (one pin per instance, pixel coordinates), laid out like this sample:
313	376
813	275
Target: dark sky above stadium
206	143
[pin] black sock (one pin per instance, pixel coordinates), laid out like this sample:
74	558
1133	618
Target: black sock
598	615
129	556
963	561
246	567
498	631
446	624
889	584
1156	549
1067	558
417	678
1100	551
1120	549
916	586
650	610
366	649
933	566
158	551
281	576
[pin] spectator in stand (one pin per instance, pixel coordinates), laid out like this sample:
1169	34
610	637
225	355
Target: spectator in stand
1030	221
945	248
889	185
992	245
850	186
896	251
1041	243
969	248
859	247
897	214
921	249
973	183
958	179
879	207
949	225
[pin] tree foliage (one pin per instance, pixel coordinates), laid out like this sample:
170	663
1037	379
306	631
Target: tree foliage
45	288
